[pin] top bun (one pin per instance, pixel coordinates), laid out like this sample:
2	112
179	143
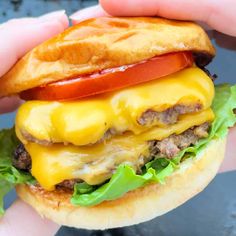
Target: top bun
101	43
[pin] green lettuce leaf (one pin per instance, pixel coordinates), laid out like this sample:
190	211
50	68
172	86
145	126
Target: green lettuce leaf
9	175
125	179
223	106
5	187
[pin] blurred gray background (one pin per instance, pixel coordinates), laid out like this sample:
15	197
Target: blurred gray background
211	213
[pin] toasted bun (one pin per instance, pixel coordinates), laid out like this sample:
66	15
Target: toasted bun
136	206
102	43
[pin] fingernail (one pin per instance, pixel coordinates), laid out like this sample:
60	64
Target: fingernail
51	15
90	12
80	14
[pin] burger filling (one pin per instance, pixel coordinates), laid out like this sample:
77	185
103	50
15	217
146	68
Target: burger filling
86	140
168	148
134	109
110	168
103	146
148	118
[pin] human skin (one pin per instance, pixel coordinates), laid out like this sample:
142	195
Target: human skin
218	14
21	35
18	36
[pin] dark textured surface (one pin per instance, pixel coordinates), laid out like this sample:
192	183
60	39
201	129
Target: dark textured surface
211	213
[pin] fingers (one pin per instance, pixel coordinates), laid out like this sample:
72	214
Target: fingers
87	13
167	8
218	14
230	155
18	36
20	219
9	104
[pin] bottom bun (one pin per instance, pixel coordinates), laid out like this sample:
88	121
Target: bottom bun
136	206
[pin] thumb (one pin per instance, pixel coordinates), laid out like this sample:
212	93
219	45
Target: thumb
20	219
9	104
18	36
229	162
220	15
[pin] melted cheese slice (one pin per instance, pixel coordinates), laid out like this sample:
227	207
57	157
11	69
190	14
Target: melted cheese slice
95	164
86	121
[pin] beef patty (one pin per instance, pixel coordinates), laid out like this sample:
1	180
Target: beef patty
148	118
168	147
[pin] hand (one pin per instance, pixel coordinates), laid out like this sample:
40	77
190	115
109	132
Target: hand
219	15
229	163
18	36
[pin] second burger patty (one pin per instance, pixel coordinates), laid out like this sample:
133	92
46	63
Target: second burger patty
168	148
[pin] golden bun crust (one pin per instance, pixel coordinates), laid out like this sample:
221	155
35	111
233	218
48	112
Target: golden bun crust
136	206
101	43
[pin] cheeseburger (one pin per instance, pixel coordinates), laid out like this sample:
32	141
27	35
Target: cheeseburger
122	122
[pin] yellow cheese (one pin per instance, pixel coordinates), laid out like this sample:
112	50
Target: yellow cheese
85	122
94	164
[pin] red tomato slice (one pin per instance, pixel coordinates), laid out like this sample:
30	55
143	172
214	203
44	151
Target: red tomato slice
111	79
